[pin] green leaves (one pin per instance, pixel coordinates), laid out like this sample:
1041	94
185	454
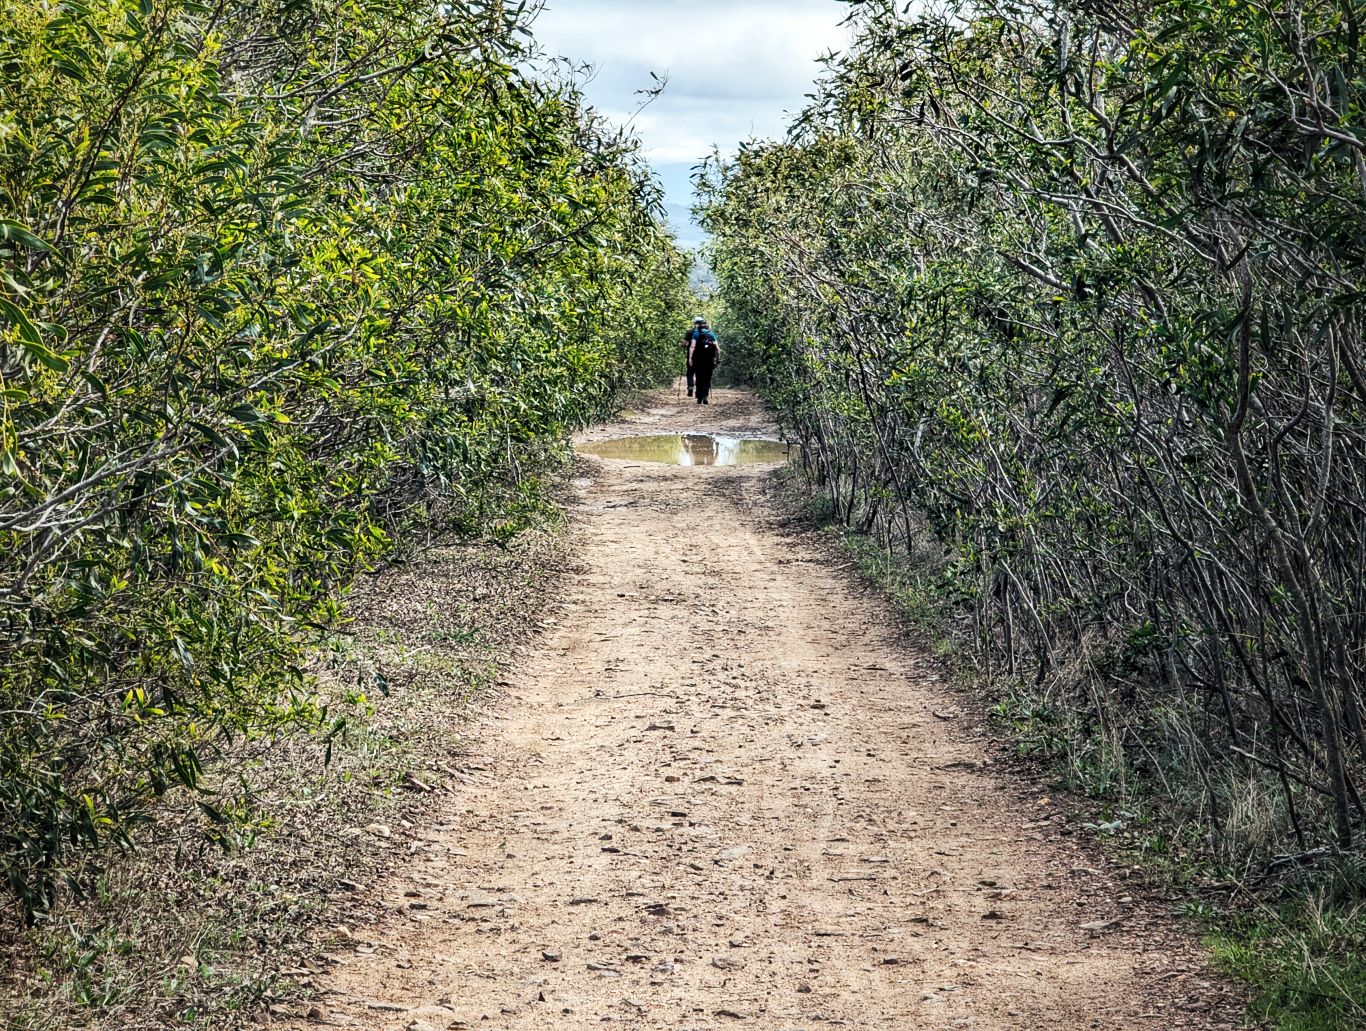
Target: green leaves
1079	306
278	297
14	232
28	338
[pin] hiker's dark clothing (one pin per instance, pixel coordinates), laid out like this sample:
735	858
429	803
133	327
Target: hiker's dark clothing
703	354
703	386
688	338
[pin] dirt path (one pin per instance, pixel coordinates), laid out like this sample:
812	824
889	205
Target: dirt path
724	794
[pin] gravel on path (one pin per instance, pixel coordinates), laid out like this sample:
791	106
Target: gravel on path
726	793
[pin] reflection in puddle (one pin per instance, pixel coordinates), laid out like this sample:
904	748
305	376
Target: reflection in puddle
689	449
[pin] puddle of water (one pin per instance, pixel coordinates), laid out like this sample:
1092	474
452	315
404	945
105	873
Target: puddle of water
689	449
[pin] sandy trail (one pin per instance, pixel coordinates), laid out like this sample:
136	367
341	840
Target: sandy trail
725	794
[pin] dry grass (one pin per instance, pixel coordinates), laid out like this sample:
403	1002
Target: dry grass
190	931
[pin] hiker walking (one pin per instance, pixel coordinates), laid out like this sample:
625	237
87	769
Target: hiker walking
703	355
688	339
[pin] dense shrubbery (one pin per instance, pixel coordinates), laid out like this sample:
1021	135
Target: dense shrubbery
1081	285
283	286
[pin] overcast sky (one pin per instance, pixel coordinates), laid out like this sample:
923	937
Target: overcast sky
737	69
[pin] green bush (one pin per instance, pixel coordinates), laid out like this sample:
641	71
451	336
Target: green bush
284	287
1076	292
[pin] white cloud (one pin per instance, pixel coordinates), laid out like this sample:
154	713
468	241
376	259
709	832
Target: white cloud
737	69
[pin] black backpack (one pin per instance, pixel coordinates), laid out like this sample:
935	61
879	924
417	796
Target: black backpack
704	348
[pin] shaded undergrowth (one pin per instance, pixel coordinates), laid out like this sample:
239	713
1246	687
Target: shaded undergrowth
1295	933
1302	946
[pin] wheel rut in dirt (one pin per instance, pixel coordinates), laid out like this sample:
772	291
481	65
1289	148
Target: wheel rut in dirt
724	793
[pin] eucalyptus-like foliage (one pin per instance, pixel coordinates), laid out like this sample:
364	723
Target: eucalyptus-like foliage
1082	284
284	287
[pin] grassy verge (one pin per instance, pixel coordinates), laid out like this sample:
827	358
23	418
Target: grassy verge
1298	940
206	928
1303	949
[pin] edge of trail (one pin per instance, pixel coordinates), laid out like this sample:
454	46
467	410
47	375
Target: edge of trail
725	790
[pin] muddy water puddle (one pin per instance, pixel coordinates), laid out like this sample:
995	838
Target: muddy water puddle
689	449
